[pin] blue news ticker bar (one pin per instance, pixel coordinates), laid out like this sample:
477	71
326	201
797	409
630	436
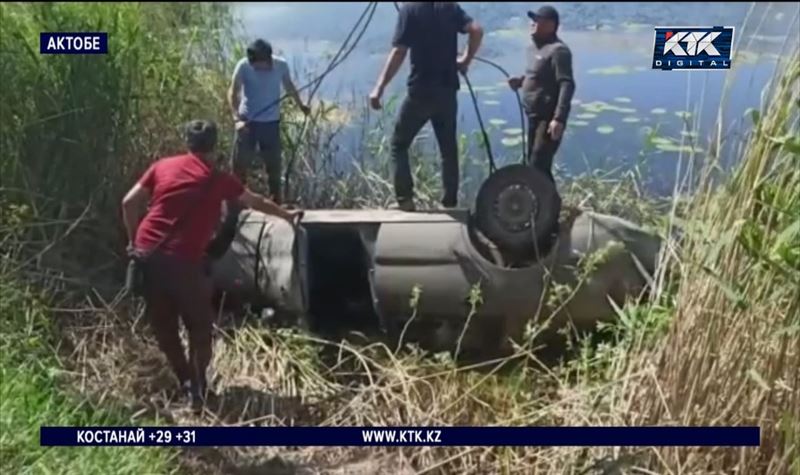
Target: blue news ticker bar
402	436
73	43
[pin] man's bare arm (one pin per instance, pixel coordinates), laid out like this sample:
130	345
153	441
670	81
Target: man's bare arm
234	98
392	65
133	207
475	32
292	90
264	205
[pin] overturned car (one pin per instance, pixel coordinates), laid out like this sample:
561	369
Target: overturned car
434	277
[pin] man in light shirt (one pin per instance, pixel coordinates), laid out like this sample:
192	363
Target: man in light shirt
255	100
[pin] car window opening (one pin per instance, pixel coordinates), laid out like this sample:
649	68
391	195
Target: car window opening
340	298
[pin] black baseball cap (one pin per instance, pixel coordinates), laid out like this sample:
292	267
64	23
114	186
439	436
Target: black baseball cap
546	12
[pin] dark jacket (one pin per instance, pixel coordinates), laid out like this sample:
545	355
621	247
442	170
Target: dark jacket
548	86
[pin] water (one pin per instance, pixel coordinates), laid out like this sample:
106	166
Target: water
612	50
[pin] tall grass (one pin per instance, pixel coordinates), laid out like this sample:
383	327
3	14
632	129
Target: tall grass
76	129
733	352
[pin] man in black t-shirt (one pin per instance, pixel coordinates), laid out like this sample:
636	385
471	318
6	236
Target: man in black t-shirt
430	31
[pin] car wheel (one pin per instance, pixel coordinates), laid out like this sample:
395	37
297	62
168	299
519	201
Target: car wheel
517	208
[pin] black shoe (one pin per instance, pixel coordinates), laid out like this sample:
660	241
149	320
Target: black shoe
198	399
405	205
185	391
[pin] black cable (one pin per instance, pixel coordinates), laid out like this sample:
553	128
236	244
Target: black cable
492	167
519	103
336	61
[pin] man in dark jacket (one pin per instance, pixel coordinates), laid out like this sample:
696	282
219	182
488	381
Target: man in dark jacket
548	87
430	30
185	193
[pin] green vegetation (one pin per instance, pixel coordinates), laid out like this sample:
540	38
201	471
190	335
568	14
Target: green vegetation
30	397
716	344
81	127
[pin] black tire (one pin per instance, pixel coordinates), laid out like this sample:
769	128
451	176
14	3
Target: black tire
518	208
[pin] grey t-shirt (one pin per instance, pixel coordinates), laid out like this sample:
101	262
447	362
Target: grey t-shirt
259	89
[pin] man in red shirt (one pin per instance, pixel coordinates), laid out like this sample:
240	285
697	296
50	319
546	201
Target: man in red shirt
185	193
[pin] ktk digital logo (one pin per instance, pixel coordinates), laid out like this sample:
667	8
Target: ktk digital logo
695	48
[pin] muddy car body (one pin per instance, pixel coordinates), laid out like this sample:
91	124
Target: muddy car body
351	267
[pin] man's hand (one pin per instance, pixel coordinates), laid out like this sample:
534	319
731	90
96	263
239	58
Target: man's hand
295	216
555	129
515	82
463	64
375	98
265	205
240	124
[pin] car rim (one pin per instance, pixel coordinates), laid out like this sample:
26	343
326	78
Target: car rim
515	207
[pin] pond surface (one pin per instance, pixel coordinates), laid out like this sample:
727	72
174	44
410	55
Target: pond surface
624	114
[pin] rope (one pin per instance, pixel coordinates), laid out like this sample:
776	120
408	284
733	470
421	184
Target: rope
257	270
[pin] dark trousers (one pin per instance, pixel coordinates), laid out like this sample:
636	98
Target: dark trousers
541	147
178	289
262	139
441	108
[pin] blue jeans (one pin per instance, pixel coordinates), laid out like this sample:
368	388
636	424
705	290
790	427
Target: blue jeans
262	139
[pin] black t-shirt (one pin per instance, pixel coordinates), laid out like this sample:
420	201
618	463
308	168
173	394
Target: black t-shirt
430	30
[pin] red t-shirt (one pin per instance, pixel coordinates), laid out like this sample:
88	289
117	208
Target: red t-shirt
180	191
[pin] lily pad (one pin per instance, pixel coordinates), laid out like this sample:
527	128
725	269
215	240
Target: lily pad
689	133
586	115
513	131
605	129
661	141
509	33
594	107
498	122
621	110
624	100
484	88
610	70
658	110
677	148
683	114
632	26
579	123
512	141
491	102
599	106
631	120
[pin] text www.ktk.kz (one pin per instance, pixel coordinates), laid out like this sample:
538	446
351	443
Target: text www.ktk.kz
401	436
